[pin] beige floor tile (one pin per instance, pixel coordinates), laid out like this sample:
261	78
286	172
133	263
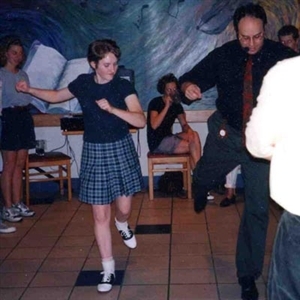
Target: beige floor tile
47	279
183	262
29	253
75	241
20	265
159	219
21	230
190	237
27	222
62	264
84	206
47	293
9	240
189	228
193	292
4	252
146	250
68	252
54	214
153	239
179	204
91	293
135	277
32	241
224	236
226	275
223	247
192	276
49	222
11	293
39	230
212	205
93	263
79	229
150	263
191	249
83	216
230	228
223	218
229	291
163	204
224	261
161	212
188	217
65	205
15	280
145	292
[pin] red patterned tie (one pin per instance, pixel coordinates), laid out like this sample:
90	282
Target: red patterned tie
247	95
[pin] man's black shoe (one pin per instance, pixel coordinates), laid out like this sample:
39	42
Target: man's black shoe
227	201
200	197
249	290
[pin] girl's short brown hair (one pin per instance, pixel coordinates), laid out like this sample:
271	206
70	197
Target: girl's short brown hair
99	48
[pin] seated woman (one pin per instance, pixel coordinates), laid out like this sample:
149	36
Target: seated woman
162	113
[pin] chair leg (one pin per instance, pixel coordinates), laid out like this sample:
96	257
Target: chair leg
185	176
69	181
189	181
61	180
150	179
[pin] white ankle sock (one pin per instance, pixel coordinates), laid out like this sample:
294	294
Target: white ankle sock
108	265
121	225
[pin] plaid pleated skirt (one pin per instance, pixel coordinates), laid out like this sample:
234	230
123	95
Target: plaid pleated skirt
108	171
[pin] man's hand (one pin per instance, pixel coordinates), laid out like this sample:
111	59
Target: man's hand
193	92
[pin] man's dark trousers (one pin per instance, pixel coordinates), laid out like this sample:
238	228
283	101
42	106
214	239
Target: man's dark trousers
221	155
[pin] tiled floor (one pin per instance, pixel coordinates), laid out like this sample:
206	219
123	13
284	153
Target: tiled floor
180	255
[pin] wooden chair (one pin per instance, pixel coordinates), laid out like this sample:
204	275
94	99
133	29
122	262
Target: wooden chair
53	166
169	159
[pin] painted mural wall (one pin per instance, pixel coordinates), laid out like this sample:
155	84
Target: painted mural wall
156	37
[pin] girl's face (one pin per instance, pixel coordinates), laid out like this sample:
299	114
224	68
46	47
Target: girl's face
170	89
14	56
106	68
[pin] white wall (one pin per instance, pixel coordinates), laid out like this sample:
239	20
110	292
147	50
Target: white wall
73	143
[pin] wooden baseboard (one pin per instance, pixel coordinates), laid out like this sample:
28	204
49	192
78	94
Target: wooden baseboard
47	120
53	120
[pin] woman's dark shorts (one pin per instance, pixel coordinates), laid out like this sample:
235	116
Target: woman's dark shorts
17	129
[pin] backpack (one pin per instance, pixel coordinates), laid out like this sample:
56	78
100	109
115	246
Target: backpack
171	183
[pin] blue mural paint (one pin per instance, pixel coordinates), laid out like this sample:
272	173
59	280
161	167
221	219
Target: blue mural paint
156	36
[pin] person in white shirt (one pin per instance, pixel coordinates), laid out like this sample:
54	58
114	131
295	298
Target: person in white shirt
273	134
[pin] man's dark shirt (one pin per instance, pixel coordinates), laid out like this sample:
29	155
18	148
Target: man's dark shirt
224	68
154	137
